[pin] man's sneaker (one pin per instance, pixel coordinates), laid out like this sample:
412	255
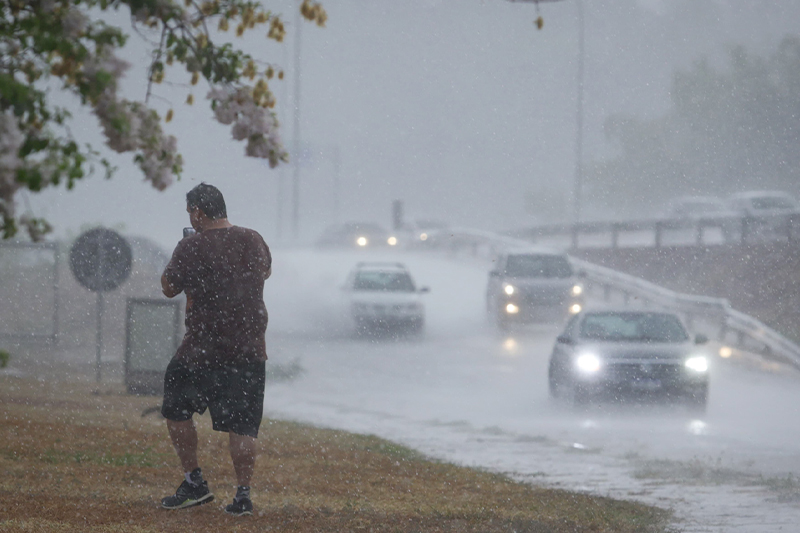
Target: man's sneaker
243	507
188	495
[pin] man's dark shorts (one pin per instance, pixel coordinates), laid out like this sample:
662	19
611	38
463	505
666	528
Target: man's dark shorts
234	395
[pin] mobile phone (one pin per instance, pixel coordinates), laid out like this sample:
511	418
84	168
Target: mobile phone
188	231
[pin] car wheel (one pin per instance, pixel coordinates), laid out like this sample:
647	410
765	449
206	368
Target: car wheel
580	396
697	399
502	323
553	386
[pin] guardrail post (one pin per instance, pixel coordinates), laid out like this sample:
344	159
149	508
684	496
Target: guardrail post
699	233
723	331
745	229
659	228
615	235
740	338
789	228
574	236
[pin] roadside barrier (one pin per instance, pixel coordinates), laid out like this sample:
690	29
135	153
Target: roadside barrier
734	230
712	315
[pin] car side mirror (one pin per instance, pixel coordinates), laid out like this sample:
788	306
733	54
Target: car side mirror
700	339
564	339
424	290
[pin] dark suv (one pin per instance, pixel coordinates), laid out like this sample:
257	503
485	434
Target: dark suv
533	286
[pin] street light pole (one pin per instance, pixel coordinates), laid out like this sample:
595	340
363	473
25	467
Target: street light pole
577	186
296	131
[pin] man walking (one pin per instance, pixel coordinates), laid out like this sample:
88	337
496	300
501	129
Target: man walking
220	365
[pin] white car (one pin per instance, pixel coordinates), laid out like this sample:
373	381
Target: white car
384	298
769	214
720	222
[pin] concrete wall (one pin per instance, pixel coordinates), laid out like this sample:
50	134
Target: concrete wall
762	280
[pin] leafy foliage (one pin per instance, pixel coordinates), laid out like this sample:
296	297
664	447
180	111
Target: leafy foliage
66	42
728	131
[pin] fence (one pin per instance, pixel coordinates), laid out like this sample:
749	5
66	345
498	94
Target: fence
29	303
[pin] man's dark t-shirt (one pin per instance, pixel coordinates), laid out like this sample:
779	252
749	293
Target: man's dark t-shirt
222	272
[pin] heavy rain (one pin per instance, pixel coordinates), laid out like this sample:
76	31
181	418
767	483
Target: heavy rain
551	241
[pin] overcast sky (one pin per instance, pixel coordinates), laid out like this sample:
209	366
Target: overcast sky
460	108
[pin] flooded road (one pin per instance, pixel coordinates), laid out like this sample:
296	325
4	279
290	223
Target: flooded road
466	393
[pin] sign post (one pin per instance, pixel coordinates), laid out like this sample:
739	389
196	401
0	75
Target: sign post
100	260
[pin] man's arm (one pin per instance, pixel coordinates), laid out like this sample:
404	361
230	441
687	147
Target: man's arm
168	290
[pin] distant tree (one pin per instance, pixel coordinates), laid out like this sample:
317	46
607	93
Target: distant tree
67	44
728	130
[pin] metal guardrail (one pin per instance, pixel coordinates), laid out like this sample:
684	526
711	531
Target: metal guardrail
714	311
735	230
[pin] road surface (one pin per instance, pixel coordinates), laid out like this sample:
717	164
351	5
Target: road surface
468	394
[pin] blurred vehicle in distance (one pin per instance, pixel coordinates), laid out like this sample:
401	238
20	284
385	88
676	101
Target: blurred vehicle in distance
356	235
420	230
383	298
763	203
768	213
532	285
624	353
719	220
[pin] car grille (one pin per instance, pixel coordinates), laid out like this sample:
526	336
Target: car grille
545	295
385	309
632	372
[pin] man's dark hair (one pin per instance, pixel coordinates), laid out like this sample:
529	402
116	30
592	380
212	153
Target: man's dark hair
208	199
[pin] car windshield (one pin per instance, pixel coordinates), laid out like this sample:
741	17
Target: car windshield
633	327
383	281
538	266
773	202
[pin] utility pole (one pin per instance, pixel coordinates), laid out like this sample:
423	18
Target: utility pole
296	131
281	200
577	185
337	165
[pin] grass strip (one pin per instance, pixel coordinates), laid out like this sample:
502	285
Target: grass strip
78	460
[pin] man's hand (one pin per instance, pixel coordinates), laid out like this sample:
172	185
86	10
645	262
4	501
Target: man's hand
168	290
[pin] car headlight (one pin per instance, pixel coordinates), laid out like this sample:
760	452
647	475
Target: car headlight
697	363
588	363
575	309
361	241
508	289
512	309
392	241
577	290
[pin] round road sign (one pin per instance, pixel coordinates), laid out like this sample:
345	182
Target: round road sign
100	259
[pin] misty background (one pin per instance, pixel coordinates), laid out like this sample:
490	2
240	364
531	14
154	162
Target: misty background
461	109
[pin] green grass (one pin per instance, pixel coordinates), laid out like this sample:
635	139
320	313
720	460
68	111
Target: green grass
147	458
